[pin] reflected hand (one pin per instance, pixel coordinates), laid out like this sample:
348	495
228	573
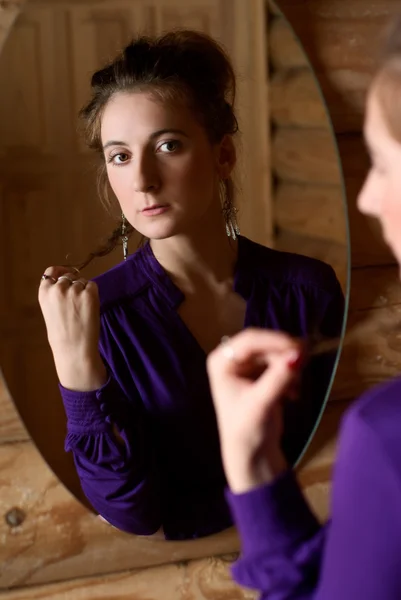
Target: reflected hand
71	310
249	376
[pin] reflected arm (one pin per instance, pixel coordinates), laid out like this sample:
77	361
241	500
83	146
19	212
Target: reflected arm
287	555
116	472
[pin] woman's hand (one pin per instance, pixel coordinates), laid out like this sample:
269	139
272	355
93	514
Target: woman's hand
71	310
249	375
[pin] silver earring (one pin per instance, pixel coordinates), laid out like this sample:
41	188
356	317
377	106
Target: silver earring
230	213
124	237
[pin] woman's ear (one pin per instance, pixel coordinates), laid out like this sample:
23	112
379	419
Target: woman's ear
226	157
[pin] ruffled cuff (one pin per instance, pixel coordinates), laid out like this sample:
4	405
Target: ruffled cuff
89	410
273	516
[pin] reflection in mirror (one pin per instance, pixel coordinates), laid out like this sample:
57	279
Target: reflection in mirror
130	350
309	214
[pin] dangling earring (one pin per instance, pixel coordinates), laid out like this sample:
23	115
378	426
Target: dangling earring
124	237
229	212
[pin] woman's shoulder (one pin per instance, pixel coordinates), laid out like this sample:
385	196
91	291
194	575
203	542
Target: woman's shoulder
379	409
126	279
288	267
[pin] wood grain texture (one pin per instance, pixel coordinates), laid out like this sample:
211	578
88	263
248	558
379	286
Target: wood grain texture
305	156
342	41
285	51
206	579
296	101
375	287
318	211
60	540
343	85
373	355
372	358
335	61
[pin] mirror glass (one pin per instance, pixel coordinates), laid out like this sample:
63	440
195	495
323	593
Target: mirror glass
143	449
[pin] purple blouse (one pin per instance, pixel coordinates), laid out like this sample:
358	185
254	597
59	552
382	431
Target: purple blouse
357	554
169	472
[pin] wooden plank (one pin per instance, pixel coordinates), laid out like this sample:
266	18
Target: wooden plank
374	355
356	10
318	211
147	584
285	51
59	539
308	156
375	287
211	580
305	156
372	358
342	85
198	579
296	100
342	42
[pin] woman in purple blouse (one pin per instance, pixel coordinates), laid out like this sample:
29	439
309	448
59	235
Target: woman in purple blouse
286	554
130	347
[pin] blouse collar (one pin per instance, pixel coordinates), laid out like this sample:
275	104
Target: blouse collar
172	293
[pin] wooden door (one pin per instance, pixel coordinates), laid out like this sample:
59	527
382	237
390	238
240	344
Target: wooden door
48	200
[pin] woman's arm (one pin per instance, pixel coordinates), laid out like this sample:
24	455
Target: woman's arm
106	433
286	555
113	461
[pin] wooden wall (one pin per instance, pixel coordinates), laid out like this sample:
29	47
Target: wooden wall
51	546
341	40
309	210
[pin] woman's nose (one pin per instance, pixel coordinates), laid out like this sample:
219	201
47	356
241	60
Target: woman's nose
145	176
369	198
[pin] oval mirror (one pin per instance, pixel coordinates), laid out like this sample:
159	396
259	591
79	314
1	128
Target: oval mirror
148	437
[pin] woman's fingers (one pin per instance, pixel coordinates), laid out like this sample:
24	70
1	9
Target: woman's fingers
258	365
275	380
51	276
79	284
253	345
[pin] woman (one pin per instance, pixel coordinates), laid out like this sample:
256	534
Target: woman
130	347
285	552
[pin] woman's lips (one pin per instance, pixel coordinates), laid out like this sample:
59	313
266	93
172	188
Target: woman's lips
153	211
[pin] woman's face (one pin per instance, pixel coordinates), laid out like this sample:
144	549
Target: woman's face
381	194
161	165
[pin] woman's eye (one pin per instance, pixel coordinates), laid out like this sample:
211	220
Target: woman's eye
118	159
169	146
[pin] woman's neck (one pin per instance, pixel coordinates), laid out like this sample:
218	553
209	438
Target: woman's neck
199	260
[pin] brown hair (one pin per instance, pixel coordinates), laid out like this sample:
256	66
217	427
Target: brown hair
387	82
180	66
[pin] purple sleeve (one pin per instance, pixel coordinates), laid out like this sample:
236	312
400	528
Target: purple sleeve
286	555
117	479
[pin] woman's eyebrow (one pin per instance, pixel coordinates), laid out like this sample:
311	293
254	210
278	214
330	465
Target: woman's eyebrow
154	135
